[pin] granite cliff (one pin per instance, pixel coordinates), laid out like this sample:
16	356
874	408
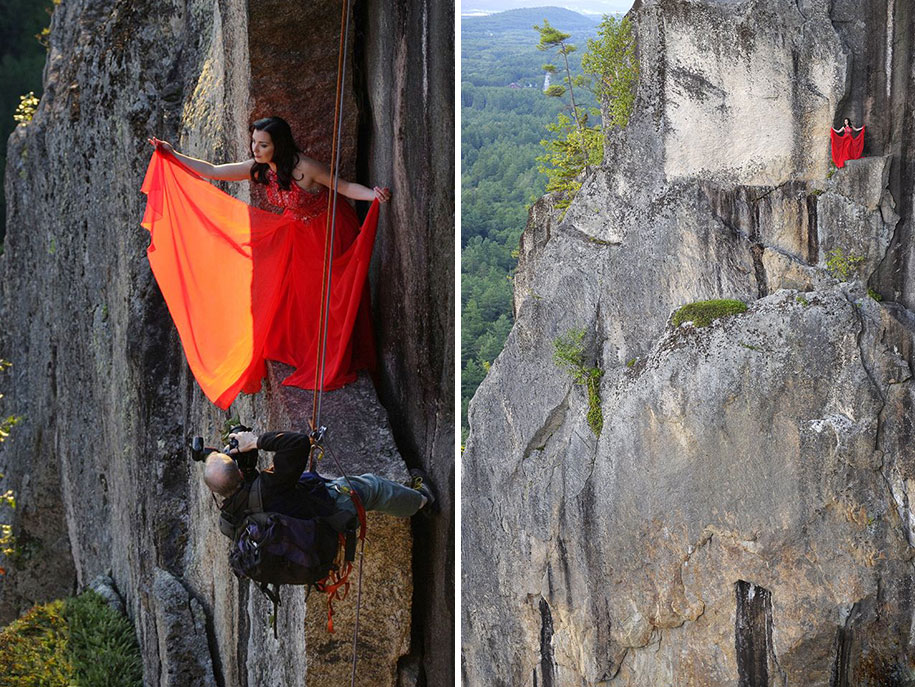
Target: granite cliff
744	517
98	463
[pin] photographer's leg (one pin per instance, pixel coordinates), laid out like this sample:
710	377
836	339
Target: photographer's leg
383	495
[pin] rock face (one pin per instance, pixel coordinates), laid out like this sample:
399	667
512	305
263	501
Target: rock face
409	131
98	464
744	516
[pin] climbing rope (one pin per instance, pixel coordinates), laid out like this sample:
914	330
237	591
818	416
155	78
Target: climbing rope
317	430
330	226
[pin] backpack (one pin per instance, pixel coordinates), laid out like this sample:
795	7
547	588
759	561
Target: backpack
272	548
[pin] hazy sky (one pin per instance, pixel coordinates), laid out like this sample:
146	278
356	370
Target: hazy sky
583	6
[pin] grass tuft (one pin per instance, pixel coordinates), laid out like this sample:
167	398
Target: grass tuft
703	313
569	354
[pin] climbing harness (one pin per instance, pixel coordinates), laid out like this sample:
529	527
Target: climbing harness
336	586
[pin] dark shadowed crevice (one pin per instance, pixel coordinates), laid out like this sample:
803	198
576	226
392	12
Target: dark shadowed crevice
361	77
813	238
753	634
244	632
839	677
759	269
547	665
213	645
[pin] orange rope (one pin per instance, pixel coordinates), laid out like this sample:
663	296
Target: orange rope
339	586
330	225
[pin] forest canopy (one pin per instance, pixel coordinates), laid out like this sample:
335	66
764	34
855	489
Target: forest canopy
504	116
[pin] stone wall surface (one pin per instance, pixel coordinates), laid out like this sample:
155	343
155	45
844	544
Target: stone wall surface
744	516
98	464
407	61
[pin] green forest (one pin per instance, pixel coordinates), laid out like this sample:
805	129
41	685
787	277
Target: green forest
22	56
504	115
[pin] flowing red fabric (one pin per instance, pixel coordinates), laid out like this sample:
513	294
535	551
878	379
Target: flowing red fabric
846	146
244	285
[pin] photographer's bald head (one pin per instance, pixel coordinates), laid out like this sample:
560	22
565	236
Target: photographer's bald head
222	475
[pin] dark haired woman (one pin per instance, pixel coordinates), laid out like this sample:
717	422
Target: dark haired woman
244	285
844	144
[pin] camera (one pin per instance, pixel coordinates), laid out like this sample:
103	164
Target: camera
247	461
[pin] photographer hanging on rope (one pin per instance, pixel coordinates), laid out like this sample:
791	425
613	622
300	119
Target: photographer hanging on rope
289	526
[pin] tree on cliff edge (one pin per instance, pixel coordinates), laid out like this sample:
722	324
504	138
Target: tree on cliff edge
612	69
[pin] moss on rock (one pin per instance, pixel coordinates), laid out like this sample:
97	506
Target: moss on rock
703	313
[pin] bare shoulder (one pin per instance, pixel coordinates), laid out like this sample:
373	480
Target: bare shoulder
308	165
307	171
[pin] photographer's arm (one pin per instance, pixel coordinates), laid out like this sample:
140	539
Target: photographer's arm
292	449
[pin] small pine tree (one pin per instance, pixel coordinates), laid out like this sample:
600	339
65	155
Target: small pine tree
552	38
613	70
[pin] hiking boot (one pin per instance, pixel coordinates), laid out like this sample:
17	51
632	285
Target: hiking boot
420	481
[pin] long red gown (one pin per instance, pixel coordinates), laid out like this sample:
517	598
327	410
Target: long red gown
244	285
846	146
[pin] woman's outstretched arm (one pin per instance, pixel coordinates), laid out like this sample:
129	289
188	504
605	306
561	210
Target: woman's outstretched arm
350	189
234	171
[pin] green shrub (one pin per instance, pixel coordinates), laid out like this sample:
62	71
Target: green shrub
612	64
80	642
566	156
874	294
569	354
703	313
612	71
103	648
33	649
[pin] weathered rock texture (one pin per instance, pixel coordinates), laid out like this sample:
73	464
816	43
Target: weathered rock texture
744	516
98	464
408	127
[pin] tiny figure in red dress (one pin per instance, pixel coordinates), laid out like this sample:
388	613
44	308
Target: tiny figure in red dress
844	144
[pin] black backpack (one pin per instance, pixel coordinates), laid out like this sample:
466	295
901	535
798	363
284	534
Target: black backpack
274	549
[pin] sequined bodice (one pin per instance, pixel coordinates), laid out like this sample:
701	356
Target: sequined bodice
296	202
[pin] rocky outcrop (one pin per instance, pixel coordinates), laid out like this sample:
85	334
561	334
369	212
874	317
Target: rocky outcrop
408	128
98	464
743	516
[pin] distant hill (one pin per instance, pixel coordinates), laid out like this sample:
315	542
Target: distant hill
524	20
592	7
501	49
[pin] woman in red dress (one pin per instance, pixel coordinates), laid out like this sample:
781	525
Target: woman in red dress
244	285
844	144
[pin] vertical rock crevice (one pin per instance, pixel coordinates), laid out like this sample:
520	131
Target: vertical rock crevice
840	668
753	634
547	663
